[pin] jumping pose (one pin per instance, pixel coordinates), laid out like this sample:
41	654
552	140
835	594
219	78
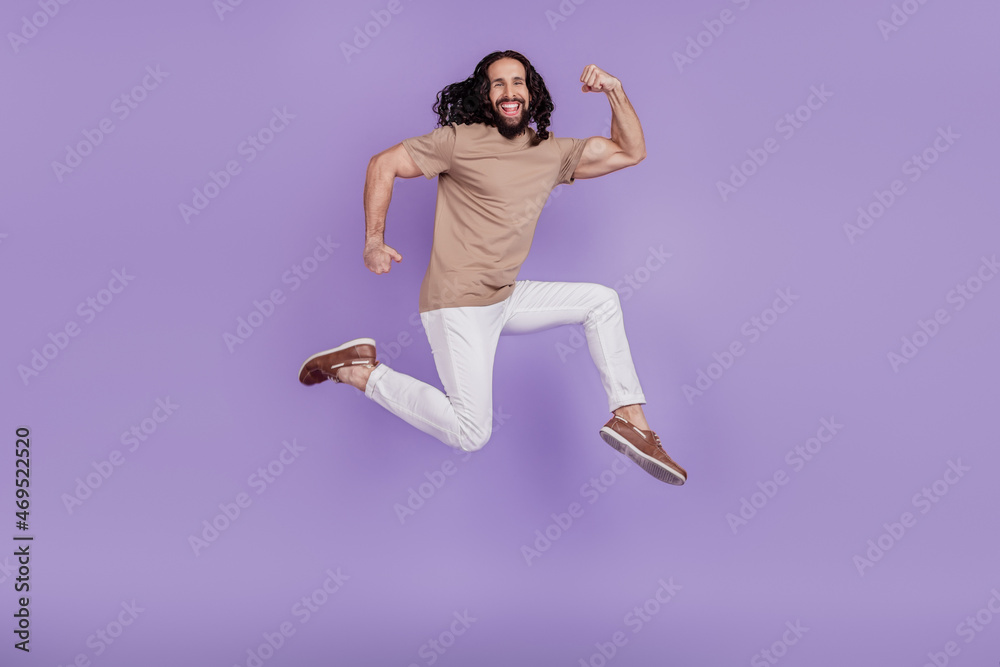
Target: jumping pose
494	175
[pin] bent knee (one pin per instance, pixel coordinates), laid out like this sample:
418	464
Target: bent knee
609	296
606	301
472	440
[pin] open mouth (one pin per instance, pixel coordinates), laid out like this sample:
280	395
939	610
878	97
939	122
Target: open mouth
510	108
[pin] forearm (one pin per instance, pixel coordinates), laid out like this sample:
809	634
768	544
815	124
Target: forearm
378	193
626	131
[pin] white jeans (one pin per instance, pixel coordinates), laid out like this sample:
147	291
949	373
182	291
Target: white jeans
464	340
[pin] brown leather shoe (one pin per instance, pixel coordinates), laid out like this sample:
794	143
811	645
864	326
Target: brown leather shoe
644	448
323	366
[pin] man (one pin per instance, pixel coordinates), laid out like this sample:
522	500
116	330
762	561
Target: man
494	175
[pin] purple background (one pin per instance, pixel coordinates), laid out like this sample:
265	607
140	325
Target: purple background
336	504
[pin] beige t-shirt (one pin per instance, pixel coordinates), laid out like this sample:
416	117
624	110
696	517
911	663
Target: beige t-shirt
491	191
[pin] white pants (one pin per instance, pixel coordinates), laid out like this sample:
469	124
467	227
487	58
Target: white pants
464	341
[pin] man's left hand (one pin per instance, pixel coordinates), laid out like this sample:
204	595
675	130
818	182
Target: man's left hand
596	80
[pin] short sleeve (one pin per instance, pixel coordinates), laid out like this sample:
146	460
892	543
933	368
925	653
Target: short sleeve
432	151
570	152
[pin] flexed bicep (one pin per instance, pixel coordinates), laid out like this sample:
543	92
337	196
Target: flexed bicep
601	156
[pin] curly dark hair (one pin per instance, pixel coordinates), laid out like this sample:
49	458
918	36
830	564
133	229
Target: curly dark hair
467	102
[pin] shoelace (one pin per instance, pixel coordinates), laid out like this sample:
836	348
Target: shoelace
333	372
656	438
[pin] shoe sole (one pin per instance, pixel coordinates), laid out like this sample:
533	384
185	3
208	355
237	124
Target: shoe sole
657	469
352	343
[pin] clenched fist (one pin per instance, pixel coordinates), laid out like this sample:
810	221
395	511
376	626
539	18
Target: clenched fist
379	256
596	80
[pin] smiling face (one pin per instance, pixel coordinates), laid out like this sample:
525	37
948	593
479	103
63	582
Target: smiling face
509	97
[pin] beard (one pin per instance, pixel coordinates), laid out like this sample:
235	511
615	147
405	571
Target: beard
510	127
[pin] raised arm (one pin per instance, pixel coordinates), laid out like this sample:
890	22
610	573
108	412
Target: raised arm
627	146
383	169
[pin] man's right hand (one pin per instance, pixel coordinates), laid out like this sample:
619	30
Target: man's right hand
379	256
